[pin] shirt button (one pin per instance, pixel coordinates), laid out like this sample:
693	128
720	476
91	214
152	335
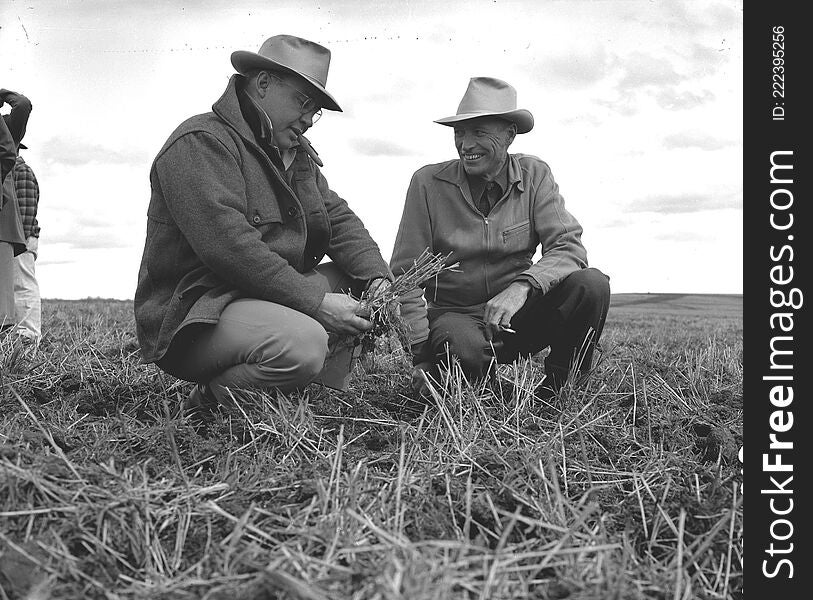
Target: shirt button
256	218
292	211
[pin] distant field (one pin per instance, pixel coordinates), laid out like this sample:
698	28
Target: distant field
626	487
718	305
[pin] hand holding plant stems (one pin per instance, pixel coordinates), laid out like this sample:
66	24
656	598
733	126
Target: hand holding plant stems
379	303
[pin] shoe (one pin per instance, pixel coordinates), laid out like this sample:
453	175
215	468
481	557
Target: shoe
555	380
502	389
200	403
545	391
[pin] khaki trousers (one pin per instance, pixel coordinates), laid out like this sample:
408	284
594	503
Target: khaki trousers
27	292
7	316
258	344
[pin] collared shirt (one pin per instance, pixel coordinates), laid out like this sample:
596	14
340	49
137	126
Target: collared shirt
28	197
485	194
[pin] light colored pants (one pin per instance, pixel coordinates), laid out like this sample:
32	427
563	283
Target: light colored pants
259	345
7	316
28	307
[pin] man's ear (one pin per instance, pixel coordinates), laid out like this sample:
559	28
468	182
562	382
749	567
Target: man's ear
511	132
263	82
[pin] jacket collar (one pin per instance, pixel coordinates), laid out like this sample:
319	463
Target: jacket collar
237	109
227	108
454	173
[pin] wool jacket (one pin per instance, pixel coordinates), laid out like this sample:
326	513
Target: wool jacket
492	251
224	223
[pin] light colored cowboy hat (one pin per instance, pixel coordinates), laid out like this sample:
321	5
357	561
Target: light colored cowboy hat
291	54
490	97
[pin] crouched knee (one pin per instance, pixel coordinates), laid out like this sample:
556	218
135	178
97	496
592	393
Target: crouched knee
593	285
296	362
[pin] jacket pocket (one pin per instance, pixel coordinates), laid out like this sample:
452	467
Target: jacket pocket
263	215
513	232
196	283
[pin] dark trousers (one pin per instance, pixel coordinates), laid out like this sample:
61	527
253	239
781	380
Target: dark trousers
569	319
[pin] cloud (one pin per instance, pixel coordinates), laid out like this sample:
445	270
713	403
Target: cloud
625	104
74	153
641	73
377	147
684	236
643	70
41	262
670	99
692	17
718	16
575	70
694	139
84	237
683	203
705	60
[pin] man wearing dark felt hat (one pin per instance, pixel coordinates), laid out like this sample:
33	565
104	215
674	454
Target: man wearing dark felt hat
231	293
492	211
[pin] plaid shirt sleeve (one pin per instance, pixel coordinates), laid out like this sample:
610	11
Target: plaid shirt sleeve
28	196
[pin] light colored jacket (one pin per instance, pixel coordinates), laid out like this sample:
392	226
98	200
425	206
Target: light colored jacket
493	251
224	223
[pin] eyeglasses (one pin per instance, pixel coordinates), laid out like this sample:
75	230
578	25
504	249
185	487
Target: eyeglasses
309	105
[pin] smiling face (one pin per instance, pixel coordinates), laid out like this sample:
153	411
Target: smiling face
282	97
482	144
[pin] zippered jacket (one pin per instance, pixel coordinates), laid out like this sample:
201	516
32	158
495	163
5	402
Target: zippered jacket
492	251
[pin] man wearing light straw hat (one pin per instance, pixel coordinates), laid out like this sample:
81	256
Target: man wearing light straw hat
231	293
492	210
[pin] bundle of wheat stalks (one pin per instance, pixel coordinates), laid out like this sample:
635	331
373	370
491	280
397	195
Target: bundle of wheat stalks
381	307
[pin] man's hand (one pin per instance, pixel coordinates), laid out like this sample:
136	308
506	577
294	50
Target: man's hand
377	286
502	307
337	314
418	383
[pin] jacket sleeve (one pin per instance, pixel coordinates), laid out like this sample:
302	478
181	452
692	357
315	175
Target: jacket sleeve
203	187
17	119
351	246
559	234
414	236
8	155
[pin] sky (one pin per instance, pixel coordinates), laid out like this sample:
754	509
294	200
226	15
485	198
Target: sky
637	105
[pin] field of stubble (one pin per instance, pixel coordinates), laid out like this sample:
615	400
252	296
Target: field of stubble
626	488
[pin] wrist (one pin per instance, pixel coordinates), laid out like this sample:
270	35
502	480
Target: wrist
524	286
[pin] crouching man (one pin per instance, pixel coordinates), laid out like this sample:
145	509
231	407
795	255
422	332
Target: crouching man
231	293
492	210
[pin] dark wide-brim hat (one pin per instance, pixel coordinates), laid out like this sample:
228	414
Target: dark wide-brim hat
291	54
490	97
